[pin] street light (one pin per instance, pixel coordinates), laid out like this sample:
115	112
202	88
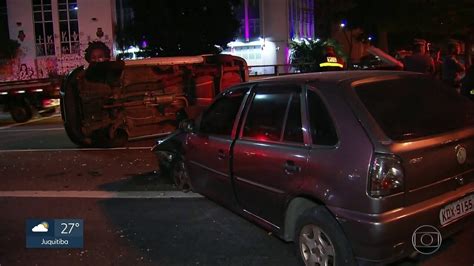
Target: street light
343	23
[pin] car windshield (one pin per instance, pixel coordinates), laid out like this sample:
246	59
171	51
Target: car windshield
414	107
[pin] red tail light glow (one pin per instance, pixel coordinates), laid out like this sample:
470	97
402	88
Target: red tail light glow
386	176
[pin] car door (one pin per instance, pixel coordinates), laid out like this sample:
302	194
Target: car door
270	156
208	149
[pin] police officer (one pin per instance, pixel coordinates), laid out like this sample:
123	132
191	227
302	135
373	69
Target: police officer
330	61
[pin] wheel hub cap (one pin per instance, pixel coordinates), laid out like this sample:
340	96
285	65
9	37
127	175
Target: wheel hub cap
315	247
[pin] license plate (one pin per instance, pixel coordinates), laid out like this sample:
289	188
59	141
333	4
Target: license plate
456	209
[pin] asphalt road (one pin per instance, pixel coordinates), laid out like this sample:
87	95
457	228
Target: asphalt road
132	215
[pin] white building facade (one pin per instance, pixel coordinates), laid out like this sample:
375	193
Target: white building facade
53	34
268	27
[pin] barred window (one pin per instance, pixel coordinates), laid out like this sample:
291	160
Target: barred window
68	26
44	33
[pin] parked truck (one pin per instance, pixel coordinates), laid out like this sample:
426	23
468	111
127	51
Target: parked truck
25	92
22	99
107	103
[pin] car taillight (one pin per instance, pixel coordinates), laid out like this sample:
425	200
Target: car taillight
386	176
47	102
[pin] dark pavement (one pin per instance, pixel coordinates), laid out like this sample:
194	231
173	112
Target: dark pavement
119	170
165	232
143	232
37	156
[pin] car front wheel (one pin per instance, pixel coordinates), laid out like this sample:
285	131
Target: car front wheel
320	241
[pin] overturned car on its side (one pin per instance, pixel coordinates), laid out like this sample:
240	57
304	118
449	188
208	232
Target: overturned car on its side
107	103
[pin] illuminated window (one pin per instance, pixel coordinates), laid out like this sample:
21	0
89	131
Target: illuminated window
248	12
68	26
301	15
44	33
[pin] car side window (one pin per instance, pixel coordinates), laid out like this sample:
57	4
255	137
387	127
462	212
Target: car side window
294	128
323	131
220	117
266	116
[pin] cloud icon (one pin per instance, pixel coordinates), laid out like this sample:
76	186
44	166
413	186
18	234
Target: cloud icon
41	228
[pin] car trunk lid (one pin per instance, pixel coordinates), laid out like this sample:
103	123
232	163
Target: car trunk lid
427	125
436	165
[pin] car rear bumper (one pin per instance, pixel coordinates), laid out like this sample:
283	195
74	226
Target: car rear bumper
387	237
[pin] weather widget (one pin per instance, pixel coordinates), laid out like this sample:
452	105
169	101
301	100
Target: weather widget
54	233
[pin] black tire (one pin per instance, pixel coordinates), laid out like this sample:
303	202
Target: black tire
331	240
74	138
70	109
21	113
180	175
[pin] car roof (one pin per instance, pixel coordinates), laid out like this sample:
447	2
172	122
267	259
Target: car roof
334	77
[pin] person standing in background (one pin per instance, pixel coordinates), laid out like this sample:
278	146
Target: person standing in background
97	52
453	70
438	63
419	61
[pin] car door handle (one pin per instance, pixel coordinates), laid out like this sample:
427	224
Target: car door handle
291	168
221	155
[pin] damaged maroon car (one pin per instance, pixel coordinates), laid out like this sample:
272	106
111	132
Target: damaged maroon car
110	102
357	166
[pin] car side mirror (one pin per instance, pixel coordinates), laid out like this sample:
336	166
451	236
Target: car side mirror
187	125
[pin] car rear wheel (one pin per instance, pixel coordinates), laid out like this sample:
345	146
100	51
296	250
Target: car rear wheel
320	241
21	113
180	175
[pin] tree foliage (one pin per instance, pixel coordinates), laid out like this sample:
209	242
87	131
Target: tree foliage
328	12
308	54
8	48
173	27
405	19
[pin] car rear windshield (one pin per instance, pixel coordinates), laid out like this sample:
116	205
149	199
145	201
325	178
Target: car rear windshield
413	107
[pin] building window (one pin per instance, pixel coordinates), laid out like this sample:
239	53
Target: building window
44	33
248	12
301	19
3	20
68	26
